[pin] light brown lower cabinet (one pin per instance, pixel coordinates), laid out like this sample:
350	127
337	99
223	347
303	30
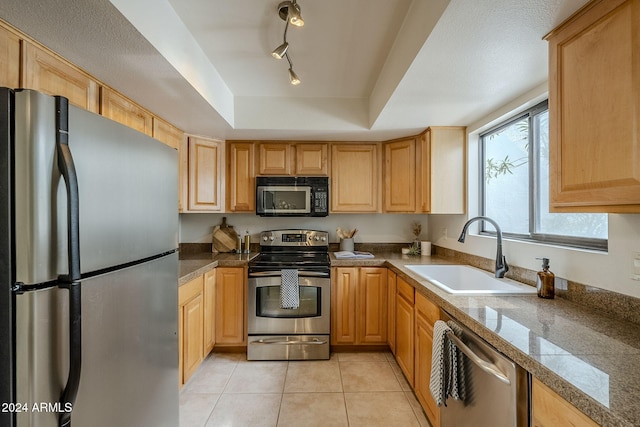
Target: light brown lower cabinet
426	314
190	327
359	306
230	303
548	409
391	310
209	318
405	328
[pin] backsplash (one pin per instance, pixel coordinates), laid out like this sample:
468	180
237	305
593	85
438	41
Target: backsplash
609	303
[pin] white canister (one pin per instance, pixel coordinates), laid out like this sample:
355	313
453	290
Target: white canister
346	245
425	248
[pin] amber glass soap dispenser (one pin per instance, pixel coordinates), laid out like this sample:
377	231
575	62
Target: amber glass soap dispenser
545	282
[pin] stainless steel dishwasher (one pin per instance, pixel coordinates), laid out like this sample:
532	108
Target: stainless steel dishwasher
497	390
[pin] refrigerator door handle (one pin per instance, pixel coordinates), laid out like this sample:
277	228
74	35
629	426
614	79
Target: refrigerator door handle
70	281
68	171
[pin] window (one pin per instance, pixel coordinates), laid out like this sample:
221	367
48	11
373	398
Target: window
515	186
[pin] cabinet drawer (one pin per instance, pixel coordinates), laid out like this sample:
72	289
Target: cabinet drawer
427	309
405	290
190	290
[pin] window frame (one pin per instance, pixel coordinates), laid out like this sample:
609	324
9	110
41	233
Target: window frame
534	188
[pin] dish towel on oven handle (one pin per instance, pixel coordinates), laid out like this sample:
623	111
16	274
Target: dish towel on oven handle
289	289
447	365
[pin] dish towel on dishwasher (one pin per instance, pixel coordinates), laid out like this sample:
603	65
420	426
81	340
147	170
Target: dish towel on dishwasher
289	289
447	373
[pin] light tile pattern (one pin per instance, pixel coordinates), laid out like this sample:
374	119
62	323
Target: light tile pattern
350	389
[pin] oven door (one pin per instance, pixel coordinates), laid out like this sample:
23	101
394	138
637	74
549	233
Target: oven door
283	200
265	316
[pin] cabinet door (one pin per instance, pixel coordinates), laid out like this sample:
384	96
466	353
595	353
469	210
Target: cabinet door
400	176
45	72
190	332
550	410
241	182
205	161
165	132
391	310
405	330
372	306
443	158
594	99
9	59
122	110
230	303
192	346
355	178
275	159
426	314
209	298
343	305
312	159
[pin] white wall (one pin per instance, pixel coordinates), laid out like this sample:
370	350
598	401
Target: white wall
372	228
611	270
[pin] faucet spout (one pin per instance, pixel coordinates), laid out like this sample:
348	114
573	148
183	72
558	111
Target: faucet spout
501	261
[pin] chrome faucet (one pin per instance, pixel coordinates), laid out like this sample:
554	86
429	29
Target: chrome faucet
501	262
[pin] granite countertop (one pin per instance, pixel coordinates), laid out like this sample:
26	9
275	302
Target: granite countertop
591	360
193	265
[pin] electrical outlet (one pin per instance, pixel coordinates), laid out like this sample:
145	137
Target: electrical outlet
444	233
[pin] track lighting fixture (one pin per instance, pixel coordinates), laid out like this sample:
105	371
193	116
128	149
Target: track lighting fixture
289	11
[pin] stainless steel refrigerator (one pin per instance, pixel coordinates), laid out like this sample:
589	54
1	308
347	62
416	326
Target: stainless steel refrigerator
88	269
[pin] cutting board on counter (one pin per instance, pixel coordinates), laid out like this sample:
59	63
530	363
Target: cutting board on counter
224	237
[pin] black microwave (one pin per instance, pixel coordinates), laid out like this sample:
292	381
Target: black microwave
292	195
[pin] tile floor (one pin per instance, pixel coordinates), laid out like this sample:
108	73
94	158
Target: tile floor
350	389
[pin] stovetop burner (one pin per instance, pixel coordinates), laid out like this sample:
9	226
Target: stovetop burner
299	249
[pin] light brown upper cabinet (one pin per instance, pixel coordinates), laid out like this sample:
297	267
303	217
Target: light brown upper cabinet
400	175
205	174
9	58
284	158
594	102
441	166
241	177
165	132
312	159
355	178
121	109
48	73
275	158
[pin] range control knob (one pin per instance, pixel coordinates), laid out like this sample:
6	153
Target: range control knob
316	238
272	238
324	239
265	238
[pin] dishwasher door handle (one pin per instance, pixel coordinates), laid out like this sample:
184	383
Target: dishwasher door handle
487	367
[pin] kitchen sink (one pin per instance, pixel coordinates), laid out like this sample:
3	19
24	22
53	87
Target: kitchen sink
466	280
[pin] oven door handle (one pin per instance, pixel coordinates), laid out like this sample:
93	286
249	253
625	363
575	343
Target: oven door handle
280	341
277	273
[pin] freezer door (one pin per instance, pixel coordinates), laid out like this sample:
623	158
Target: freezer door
129	349
128	192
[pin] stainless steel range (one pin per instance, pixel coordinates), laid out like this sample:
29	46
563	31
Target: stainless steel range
289	296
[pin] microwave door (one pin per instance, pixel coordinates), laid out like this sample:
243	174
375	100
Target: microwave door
284	200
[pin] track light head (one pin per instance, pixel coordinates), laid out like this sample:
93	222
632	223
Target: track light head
293	78
279	52
290	11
